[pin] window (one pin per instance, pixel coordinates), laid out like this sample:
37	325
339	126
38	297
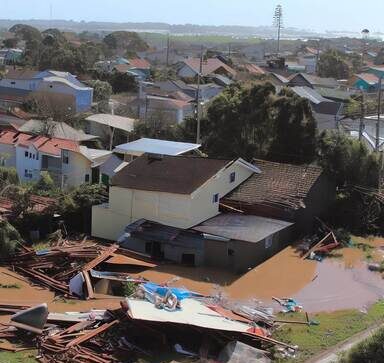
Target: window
26	154
215	198
87	178
2	161
37	156
65	157
13	82
26	173
231	252
232	177
33	156
30	155
50	86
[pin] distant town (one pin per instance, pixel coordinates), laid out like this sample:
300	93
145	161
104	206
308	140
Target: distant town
185	193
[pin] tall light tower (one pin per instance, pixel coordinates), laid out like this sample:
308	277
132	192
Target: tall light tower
278	23
365	37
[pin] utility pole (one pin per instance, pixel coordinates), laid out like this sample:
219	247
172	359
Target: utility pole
378	115
199	75
278	23
168	44
362	115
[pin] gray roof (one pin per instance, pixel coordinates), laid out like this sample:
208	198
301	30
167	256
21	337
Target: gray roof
61	130
310	94
118	122
154	146
241	227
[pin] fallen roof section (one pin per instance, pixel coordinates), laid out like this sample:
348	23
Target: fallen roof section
193	313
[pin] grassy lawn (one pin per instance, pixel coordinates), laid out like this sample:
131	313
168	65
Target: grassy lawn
27	356
334	328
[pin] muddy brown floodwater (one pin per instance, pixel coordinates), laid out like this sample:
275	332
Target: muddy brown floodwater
282	275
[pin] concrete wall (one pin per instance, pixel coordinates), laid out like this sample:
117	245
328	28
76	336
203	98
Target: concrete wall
203	206
239	256
76	170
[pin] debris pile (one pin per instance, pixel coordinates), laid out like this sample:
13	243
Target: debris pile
155	320
75	270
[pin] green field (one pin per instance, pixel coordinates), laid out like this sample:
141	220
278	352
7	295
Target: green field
334	328
19	357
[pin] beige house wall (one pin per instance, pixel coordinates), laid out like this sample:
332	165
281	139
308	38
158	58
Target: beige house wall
177	210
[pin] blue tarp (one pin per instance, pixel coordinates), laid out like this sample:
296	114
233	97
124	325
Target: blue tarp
162	291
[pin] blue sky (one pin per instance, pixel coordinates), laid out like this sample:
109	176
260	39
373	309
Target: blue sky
306	14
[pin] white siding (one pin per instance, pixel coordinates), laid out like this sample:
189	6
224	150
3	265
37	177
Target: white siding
28	167
76	170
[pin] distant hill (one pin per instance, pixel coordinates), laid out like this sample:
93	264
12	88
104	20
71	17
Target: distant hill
188	29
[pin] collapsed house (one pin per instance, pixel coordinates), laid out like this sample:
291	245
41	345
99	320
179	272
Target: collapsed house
295	193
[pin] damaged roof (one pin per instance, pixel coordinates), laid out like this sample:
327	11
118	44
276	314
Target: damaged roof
278	184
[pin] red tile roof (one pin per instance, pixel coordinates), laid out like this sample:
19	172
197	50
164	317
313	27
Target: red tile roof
369	78
38	204
254	69
51	146
210	65
139	63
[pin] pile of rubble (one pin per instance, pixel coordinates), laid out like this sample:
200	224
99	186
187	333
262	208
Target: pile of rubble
152	320
72	270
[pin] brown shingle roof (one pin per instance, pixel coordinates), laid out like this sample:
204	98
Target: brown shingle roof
179	175
278	184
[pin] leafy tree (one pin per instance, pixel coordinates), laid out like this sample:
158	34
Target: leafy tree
370	350
348	161
10	43
124	40
45	185
8	176
252	121
333	64
295	130
9	239
355	171
239	122
26	32
102	90
122	82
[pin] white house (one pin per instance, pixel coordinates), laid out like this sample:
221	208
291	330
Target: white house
179	191
69	163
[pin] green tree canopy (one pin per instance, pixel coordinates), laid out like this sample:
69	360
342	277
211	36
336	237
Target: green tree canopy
102	90
332	64
255	122
347	160
129	41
